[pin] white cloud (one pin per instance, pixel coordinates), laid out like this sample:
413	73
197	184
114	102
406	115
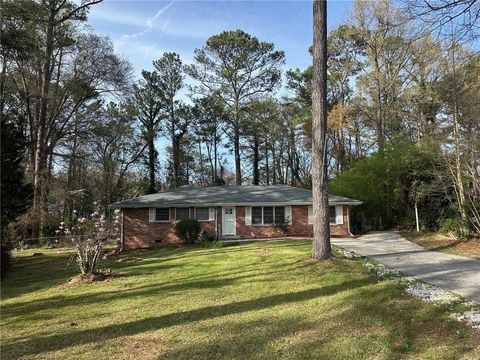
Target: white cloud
149	23
115	17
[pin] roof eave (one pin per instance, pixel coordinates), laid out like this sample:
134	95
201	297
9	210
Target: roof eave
291	203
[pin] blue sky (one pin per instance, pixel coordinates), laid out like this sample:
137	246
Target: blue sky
143	30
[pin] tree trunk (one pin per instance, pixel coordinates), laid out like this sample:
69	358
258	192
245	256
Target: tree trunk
151	163
274	169
321	248
236	145
215	157
458	165
380	121
40	156
174	150
267	164
256	157
456	136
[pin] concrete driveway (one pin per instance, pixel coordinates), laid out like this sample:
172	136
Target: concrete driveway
459	274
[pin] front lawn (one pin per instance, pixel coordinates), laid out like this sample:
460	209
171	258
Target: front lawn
437	241
262	300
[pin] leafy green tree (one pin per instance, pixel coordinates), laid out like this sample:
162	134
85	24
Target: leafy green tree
236	67
50	82
259	129
15	192
169	69
208	113
115	148
148	102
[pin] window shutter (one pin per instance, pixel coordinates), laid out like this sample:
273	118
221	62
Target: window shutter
339	214
151	215
211	213
288	214
310	214
248	215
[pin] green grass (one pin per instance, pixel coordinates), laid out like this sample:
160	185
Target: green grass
263	300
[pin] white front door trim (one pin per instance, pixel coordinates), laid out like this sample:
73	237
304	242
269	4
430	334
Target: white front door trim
229	221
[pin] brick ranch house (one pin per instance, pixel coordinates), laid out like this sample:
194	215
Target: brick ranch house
227	212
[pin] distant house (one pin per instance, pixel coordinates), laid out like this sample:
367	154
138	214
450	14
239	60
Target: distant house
242	212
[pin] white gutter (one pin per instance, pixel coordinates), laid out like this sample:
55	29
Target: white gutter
121	232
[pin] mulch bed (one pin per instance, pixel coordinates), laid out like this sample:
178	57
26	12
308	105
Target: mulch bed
82	279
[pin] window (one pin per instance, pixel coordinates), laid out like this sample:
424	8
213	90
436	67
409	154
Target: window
268	215
202	214
279	214
162	214
182	213
332	214
257	215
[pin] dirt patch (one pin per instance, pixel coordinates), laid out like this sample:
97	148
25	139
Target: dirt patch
145	346
82	279
263	251
444	243
470	247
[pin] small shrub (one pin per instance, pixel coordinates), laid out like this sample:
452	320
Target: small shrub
206	237
188	230
50	226
6	258
456	226
282	226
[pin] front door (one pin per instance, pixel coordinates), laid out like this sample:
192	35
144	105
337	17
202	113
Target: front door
229	223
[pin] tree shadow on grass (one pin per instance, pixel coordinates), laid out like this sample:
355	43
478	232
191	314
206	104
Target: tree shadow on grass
56	342
36	273
241	339
405	327
208	280
375	320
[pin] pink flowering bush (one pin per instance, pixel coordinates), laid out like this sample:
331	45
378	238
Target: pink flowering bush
90	236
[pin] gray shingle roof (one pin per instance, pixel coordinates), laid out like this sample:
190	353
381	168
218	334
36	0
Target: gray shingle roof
230	195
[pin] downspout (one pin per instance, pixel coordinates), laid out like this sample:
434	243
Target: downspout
348	216
216	223
121	231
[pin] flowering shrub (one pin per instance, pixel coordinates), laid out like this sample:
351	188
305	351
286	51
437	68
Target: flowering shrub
90	235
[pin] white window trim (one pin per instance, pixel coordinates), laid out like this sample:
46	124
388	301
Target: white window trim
248	215
339	210
337	214
288	218
212	213
195	213
152	215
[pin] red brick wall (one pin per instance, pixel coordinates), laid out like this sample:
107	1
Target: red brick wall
299	227
253	231
138	232
341	230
